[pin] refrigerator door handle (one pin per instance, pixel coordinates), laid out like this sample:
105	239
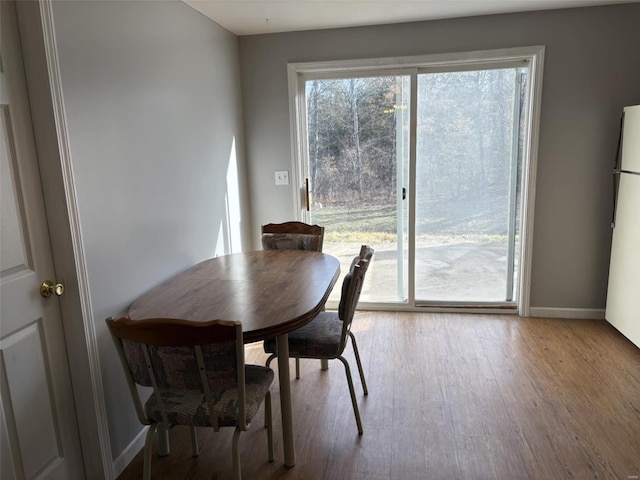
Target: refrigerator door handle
616	182
616	173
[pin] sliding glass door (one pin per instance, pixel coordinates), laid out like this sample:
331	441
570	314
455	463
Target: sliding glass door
468	168
358	138
426	163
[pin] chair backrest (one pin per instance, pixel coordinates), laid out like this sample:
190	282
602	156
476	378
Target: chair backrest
352	287
171	354
366	253
292	236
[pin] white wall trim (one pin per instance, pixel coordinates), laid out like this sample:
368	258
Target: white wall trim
131	450
476	58
529	183
577	313
100	445
298	172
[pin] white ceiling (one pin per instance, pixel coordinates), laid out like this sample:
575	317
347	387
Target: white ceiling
249	17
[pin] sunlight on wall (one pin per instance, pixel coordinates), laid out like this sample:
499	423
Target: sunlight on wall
229	233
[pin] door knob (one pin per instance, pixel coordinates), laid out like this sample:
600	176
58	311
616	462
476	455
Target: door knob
49	288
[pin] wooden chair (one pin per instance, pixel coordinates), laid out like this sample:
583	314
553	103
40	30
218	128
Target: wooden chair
325	337
198	376
292	236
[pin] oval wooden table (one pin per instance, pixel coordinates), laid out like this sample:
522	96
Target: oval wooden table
272	292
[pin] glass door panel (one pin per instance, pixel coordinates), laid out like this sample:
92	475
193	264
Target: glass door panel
358	154
468	157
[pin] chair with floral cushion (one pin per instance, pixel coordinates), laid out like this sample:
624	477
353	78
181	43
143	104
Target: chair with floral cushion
198	376
325	337
292	236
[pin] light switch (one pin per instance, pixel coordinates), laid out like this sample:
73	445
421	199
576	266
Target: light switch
282	177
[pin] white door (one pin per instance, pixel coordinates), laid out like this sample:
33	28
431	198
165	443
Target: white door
38	431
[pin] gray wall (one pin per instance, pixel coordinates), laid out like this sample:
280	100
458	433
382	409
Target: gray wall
152	101
591	70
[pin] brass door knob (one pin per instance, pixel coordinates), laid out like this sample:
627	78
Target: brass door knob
49	288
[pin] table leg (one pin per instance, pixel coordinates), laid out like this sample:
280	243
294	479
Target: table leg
285	400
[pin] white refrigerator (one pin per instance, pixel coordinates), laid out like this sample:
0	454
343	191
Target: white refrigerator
623	295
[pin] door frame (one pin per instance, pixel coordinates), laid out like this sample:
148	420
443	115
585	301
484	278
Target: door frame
39	50
297	113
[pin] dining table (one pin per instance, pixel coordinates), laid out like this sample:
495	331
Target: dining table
272	292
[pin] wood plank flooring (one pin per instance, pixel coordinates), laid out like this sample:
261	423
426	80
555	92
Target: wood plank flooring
451	396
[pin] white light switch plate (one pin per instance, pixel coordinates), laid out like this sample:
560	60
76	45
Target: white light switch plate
282	177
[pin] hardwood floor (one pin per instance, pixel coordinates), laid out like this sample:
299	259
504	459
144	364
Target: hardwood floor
450	397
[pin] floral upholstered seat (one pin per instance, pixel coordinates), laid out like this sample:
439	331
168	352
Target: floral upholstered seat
198	376
319	338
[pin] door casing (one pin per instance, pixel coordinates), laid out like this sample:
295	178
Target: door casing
37	36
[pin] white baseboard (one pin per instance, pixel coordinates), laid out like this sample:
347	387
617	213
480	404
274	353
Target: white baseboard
124	459
579	313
